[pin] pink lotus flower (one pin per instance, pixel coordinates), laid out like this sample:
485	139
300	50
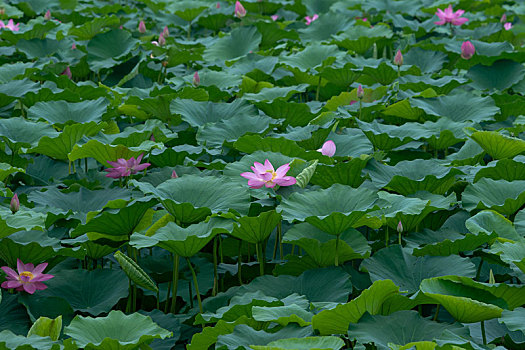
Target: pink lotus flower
240	11
47	15
28	278
10	25
467	50
265	175
328	148
196	79
274	17
507	25
311	19
142	27
122	167
449	16
360	93
398	59
67	72
15	204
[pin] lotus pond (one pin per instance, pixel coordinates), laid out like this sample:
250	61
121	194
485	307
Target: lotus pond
262	175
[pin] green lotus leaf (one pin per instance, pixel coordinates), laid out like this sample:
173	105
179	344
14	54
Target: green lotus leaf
209	335
282	315
115	331
337	320
17	88
191	198
115	224
19	132
441	86
269	94
387	137
499	195
347	173
8	72
188	10
469	154
503	169
23	220
256	229
13	316
401	109
408	177
401	328
384	74
93	292
333	210
511	253
106	48
184	242
513	319
36	48
469	301
407	271
9	340
89	29
6	170
240	42
361	38
60	146
342	77
295	114
104	152
214	135
351	143
62	112
158	107
308	343
313	56
488	221
499	146
459	107
253	143
35	247
244	336
45	326
325	26
198	113
321	246
443	133
427	61
501	75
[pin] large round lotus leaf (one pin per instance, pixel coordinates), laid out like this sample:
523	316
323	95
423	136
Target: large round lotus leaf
469	301
9	71
254	143
17	88
191	198
93	292
502	196
105	48
512	253
337	320
344	173
187	10
9	340
325	26
13	316
282	315
214	135
499	146
333	210
243	336
427	61
21	132
104	152
37	48
500	75
25	219
268	94
488	222
387	137
311	57
115	331
296	114
459	107
185	242
407	271
320	246
6	170
360	38
514	320
240	42
308	343
256	229
399	328
504	169
62	112
89	29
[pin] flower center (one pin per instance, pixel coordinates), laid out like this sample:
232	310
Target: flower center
274	174
26	276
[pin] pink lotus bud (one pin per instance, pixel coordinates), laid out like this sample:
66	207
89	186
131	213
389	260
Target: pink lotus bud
74	46
2	11
152	138
47	16
240	11
15	204
165	32
467	50
328	148
274	17
120	27
67	72
218	5
162	40
398	59
503	18
196	79
174	175
142	27
360	92
399	227
507	26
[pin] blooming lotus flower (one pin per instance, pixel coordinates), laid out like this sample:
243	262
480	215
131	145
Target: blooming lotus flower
142	27
10	25
507	26
240	11
449	16
328	148
467	50
265	175
274	17
311	19
67	72
47	16
398	59
122	167
360	92
196	79
28	278
15	204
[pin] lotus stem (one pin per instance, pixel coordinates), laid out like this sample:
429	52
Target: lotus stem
239	263
400	238
215	273
438	306
260	258
175	283
280	235
483	335
166	305
387	236
337	250
196	284
360	109
189	30
318	88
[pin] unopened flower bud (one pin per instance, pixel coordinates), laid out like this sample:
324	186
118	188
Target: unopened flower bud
467	50
165	32
15	204
196	79
399	227
162	40
47	16
398	59
174	175
360	92
240	11
142	27
503	18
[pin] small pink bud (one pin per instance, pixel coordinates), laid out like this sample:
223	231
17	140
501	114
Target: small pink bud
152	138
67	72
360	92
507	25
165	32
467	50
142	27
121	27
240	11
174	175
74	46
47	16
274	17
503	18
399	227
15	204
196	79
328	148
398	59
162	40
218	5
